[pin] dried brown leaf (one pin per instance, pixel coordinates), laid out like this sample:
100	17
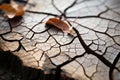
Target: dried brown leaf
60	25
12	10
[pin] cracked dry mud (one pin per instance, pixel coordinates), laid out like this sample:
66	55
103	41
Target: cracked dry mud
92	53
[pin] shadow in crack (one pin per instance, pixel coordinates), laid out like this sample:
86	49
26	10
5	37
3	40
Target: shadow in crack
16	21
12	68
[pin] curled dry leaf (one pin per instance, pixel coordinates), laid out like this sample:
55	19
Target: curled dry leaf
12	10
60	25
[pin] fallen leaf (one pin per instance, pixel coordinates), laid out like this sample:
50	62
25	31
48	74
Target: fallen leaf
60	25
12	10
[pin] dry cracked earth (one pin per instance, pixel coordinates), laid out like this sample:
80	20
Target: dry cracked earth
31	49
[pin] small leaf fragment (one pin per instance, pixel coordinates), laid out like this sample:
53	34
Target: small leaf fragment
60	25
12	10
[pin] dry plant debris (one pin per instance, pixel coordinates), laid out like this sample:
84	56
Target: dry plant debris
60	25
12	10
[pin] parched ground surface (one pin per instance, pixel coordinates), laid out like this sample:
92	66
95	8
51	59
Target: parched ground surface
92	53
